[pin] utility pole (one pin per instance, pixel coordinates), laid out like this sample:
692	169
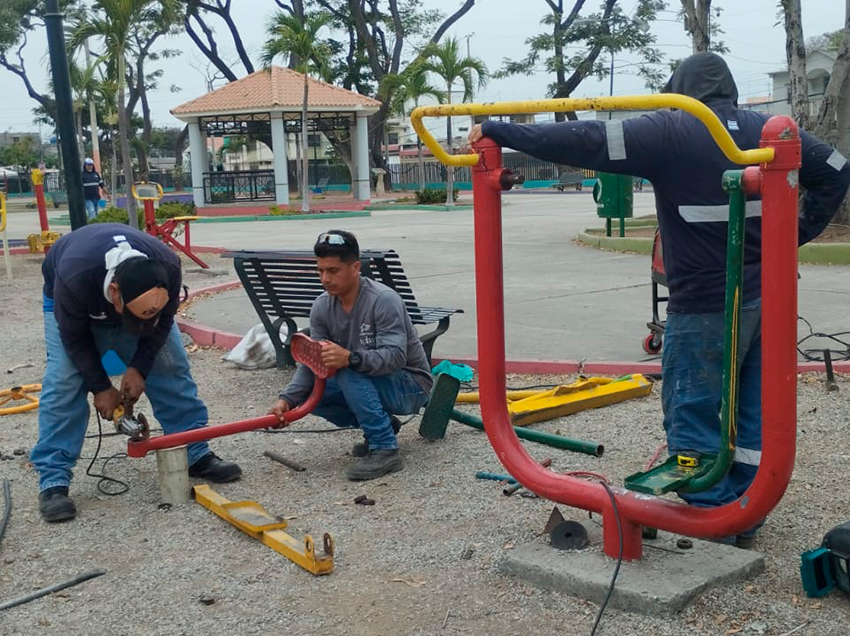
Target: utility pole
65	113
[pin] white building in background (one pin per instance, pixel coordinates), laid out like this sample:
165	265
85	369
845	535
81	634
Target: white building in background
819	65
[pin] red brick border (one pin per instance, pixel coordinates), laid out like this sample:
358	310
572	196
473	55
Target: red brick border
208	336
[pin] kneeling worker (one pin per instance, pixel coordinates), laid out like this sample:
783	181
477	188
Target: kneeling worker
369	339
108	286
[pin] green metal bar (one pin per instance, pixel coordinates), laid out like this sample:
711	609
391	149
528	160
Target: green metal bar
607	227
556	441
734	289
622	224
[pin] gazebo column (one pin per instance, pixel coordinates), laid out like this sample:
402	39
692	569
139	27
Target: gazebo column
360	154
198	155
281	174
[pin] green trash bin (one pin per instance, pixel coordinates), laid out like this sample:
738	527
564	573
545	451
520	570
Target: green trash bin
614	198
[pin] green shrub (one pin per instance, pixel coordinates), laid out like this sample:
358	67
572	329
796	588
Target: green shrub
431	196
276	210
169	210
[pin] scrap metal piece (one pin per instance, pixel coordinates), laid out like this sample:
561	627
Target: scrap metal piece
555	519
289	463
831	384
585	394
255	521
569	535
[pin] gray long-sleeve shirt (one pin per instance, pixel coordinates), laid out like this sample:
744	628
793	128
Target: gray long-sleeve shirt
378	328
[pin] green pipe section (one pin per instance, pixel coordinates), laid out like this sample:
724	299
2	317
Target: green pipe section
541	437
732	183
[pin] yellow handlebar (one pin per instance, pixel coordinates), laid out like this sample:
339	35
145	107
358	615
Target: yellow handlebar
636	102
2	212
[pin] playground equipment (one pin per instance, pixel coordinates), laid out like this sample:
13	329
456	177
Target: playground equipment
655	340
440	409
624	512
304	350
148	193
255	521
7	257
39	243
23	392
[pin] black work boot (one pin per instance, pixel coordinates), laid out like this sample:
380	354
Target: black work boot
376	464
55	504
214	468
361	449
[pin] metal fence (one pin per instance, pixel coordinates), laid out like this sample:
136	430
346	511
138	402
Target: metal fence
531	168
237	186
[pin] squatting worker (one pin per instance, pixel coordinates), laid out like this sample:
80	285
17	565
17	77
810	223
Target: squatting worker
381	367
92	185
674	151
107	286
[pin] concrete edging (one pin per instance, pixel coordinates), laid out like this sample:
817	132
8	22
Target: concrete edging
283	217
209	336
809	254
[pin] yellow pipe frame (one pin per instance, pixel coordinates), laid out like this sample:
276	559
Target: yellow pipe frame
2	212
633	102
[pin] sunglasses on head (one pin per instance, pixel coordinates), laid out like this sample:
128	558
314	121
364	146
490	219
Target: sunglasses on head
331	239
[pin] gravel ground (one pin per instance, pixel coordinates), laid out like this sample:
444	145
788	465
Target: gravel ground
421	561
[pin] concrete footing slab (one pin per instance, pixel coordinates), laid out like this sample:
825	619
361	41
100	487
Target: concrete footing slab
662	583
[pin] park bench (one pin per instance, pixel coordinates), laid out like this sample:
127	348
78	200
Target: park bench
570	177
283	285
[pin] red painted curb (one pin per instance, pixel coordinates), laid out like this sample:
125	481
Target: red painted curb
227	340
16	250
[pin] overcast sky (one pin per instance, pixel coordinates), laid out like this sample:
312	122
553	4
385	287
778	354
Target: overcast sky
498	29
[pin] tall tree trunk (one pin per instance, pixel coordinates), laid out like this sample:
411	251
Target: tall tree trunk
795	50
305	155
834	117
113	169
123	133
450	176
697	23
420	160
81	144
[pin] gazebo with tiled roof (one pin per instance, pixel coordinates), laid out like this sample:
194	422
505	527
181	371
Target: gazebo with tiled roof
267	104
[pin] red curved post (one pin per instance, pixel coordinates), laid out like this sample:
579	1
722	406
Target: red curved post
779	304
304	350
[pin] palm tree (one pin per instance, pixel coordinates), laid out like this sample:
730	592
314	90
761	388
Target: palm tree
115	24
411	86
287	35
445	61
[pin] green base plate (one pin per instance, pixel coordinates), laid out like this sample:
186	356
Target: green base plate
669	476
435	419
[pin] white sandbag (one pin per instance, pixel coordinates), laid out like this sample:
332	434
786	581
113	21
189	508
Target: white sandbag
255	350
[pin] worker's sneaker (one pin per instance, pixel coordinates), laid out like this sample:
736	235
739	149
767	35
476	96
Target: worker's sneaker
214	468
361	449
376	464
55	504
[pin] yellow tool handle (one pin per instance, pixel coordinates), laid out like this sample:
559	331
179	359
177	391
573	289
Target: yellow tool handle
690	105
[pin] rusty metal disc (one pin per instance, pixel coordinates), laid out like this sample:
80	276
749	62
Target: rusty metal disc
569	535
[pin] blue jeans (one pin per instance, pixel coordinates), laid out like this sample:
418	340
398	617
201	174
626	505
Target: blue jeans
91	208
63	413
692	365
354	399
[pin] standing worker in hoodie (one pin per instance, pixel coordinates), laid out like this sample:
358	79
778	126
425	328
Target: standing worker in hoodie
110	287
92	185
369	340
675	151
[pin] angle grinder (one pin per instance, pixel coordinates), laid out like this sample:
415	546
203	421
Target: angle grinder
134	426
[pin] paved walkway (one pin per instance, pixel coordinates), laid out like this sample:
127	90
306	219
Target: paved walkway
563	301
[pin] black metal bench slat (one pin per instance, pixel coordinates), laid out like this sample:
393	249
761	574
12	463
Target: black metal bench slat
283	286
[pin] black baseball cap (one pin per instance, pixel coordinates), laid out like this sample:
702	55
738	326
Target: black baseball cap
143	285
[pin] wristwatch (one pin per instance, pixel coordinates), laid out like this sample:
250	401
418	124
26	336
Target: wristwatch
354	360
